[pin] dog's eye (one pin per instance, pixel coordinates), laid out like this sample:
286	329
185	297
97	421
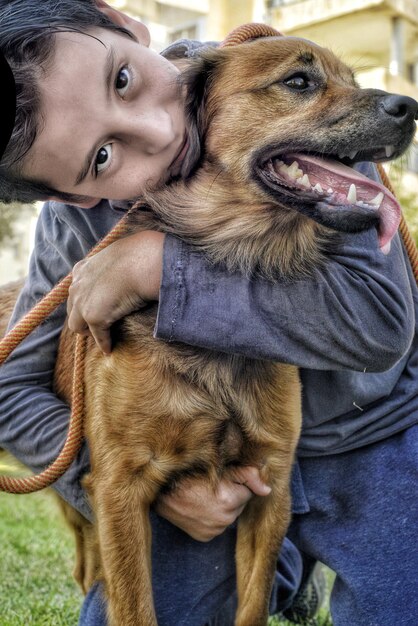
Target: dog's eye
299	82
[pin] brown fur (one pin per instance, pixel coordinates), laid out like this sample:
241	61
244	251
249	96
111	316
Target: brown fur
8	296
156	410
87	561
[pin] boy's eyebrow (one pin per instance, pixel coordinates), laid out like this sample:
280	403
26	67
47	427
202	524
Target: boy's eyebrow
109	68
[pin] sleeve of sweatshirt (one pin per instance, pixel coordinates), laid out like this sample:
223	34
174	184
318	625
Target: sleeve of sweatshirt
33	421
355	312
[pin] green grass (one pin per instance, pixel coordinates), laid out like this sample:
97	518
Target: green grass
36	553
322	619
36	586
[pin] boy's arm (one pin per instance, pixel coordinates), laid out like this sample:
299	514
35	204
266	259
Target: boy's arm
33	421
356	312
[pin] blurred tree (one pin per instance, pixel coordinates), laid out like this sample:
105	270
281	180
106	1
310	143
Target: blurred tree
9	215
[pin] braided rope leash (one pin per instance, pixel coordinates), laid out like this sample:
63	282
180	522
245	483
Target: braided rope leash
73	440
59	294
246	32
17	334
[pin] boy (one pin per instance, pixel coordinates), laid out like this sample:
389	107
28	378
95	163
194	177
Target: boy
133	133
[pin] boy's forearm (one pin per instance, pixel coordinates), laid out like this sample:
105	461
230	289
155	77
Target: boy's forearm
355	313
33	420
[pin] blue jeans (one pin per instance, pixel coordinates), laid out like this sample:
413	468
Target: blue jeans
363	523
194	582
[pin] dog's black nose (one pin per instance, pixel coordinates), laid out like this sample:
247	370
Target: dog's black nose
403	108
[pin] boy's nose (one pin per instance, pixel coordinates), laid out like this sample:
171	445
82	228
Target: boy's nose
152	131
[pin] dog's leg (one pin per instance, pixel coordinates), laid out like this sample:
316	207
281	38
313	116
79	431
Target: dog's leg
261	530
263	524
87	566
122	497
131	462
122	511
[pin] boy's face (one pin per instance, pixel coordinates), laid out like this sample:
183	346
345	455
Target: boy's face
112	118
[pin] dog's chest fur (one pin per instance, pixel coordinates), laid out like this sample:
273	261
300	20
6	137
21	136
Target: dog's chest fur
190	383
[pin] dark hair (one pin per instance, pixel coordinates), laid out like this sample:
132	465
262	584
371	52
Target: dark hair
27	40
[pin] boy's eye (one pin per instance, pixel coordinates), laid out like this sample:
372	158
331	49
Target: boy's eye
123	80
103	158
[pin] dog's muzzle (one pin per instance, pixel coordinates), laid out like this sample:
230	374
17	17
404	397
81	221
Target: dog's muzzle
333	194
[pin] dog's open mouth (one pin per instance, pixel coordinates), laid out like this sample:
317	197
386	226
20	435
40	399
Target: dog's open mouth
342	197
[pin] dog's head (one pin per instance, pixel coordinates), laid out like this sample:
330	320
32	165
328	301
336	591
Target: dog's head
287	117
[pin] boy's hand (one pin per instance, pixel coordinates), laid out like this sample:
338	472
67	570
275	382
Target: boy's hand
113	283
204	514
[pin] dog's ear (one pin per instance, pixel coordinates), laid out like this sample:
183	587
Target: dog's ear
197	79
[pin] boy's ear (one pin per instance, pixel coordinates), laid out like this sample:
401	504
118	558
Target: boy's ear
137	28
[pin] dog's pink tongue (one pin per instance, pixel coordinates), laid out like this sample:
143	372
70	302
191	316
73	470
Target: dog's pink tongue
339	177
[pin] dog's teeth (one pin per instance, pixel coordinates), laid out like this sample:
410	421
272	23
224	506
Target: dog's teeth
330	190
389	150
352	194
294	171
352	154
377	201
305	181
318	188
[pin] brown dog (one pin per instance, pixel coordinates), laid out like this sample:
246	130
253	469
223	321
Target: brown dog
271	123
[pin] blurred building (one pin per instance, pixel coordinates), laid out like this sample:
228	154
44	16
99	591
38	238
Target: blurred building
168	21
